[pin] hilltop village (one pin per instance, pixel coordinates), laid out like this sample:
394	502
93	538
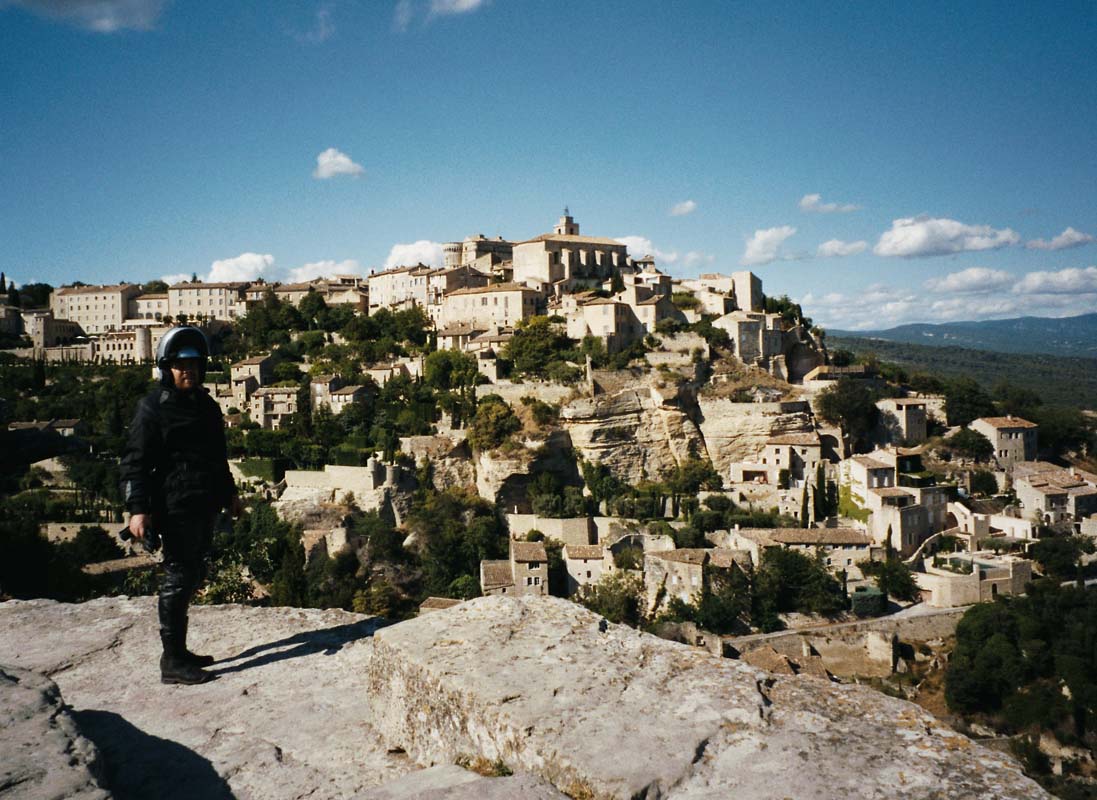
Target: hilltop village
554	416
706	382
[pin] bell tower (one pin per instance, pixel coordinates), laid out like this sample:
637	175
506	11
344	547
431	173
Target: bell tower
566	226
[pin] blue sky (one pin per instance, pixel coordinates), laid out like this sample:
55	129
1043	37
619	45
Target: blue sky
880	163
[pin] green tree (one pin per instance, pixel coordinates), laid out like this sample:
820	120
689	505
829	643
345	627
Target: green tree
725	601
970	444
538	348
787	580
893	577
448	370
983	483
617	596
493	424
312	307
850	404
966	400
1060	556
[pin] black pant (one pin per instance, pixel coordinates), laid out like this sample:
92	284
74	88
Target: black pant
186	541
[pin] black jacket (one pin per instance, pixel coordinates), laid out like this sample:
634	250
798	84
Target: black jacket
175	459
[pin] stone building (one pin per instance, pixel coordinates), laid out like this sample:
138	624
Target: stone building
1053	494
399	287
500	305
841	548
796	455
125	346
755	336
682	573
46	330
271	406
477	251
293	293
457	337
248	375
346	396
320	389
96	309
584	565
1013	438
524	573
153	306
530	567
496	577
961	579
562	261
197	300
903	419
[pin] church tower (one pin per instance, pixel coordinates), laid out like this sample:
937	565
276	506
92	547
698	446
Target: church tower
566	226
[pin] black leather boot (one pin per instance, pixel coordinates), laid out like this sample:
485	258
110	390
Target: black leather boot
193	658
175	669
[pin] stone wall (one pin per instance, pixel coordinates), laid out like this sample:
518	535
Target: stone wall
855	648
514	392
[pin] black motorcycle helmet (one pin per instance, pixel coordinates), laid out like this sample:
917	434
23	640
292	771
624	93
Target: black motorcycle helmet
183	342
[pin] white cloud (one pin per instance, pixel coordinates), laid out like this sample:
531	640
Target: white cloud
244	267
1072	281
880	307
1068	238
834	248
100	16
695	257
332	162
402	14
439	7
915	237
639	246
762	247
972	280
322	29
423	251
683	208
323	269
814	202
175	277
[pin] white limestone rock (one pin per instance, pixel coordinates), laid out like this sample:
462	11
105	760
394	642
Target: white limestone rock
535	683
42	754
285	719
317	704
632	432
454	783
735	432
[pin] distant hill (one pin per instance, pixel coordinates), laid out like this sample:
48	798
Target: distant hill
1059	380
1065	336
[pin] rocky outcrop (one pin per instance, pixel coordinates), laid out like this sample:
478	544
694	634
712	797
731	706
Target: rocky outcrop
738	431
605	711
503	475
326	704
42	754
449	455
284	719
638	433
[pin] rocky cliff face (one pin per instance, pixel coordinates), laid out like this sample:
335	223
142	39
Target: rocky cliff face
738	431
324	704
637	433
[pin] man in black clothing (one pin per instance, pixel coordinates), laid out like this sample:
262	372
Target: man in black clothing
175	480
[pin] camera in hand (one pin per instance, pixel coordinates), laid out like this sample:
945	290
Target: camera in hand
151	542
